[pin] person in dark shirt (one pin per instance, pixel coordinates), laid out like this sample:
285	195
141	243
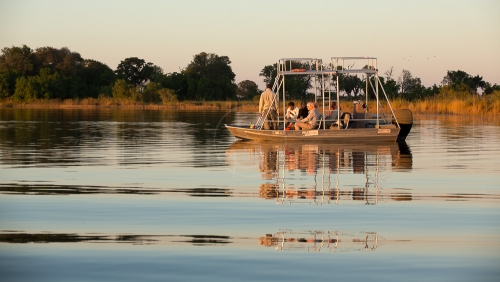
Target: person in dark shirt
303	111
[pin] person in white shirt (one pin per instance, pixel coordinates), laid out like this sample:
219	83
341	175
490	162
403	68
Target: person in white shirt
292	112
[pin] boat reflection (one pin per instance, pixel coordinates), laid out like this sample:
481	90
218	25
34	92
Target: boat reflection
321	241
296	172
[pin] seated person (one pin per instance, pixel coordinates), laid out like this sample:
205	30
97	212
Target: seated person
311	121
333	114
303	111
334	110
292	112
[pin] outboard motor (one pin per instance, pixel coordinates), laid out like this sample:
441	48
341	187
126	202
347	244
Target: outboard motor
405	120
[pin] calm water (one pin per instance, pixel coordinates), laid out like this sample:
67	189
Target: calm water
119	195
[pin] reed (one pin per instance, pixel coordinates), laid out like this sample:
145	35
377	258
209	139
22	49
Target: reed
458	103
448	101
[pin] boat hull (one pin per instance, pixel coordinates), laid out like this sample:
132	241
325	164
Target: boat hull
386	134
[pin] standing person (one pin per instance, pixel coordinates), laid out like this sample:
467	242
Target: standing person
267	107
303	111
311	121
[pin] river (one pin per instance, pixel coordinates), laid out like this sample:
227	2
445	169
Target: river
129	195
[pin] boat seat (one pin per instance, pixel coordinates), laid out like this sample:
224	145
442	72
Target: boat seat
345	120
320	122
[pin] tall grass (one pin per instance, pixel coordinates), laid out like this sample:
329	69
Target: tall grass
450	101
109	102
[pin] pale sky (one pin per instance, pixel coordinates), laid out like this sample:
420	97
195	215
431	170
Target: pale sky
426	37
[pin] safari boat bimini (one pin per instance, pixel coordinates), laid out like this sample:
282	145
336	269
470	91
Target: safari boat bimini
359	125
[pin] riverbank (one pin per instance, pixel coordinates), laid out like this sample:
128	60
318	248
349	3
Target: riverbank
469	105
110	103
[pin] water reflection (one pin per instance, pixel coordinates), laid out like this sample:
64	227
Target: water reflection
314	172
283	240
90	137
15	237
52	189
321	241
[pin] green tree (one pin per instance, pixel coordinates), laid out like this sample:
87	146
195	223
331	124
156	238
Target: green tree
15	62
137	71
176	82
150	93
167	95
391	88
7	84
20	60
431	91
210	77
456	79
410	86
58	60
122	90
96	77
25	90
269	73
351	84
296	86
390	85
372	82
67	65
247	89
43	86
156	74
489	89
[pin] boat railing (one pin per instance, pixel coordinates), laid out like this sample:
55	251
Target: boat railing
365	65
355	123
326	88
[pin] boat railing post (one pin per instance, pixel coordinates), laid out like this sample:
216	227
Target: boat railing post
323	96
338	104
366	93
283	83
376	94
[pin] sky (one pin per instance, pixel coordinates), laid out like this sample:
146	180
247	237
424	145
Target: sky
428	38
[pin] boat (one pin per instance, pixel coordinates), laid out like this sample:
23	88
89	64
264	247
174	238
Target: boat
365	123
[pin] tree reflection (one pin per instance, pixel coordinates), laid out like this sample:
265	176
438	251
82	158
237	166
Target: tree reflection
136	239
62	137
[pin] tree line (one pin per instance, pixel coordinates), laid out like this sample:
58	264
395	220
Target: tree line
50	73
